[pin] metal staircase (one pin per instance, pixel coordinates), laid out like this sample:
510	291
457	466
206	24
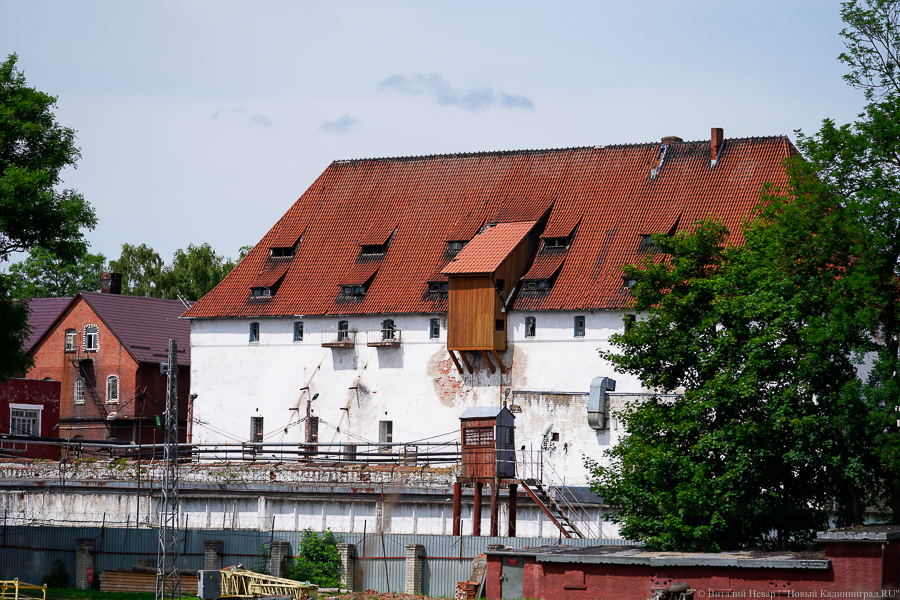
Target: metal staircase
551	508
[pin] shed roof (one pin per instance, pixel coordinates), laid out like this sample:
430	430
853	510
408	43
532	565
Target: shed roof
489	249
483	412
428	201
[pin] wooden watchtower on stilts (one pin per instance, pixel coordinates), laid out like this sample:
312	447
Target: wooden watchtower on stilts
488	457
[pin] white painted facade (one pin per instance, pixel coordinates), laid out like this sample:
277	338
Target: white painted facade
414	386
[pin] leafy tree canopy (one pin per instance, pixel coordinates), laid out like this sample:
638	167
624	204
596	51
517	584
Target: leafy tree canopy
45	275
779	417
34	212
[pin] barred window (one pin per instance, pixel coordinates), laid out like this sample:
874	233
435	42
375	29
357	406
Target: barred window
79	390
478	436
112	389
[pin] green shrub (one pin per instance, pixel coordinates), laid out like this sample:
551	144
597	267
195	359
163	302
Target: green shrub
58	577
318	560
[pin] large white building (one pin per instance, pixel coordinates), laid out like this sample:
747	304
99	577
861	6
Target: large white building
402	291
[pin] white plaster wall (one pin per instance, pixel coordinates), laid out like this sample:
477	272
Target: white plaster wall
416	386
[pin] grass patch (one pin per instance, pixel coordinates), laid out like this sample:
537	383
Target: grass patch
73	594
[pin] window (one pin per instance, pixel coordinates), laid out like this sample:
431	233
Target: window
500	284
530	326
112	389
343	331
439	286
79	390
312	430
499	325
647	244
579	326
540	284
560	242
435	329
387	329
298	331
374	249
629	282
385	432
281	252
256	430
353	290
455	247
254	333
478	436
91	338
629	322
24	420
71	336
261	292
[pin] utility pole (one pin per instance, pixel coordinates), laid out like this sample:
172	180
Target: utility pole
168	581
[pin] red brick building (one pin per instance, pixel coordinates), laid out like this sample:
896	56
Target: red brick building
28	408
106	351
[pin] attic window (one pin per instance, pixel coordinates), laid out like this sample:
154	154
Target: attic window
540	284
375	249
261	292
439	286
647	244
454	247
559	242
629	282
353	290
285	251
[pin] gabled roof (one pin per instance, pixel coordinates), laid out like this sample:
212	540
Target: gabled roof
43	313
142	325
427	201
488	249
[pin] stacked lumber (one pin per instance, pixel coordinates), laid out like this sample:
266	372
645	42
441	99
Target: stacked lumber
143	579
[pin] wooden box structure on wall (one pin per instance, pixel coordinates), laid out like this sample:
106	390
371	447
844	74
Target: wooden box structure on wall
488	443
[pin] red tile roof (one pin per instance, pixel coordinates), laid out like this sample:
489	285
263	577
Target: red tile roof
488	249
546	264
428	201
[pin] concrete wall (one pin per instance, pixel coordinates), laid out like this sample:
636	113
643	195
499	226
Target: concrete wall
415	386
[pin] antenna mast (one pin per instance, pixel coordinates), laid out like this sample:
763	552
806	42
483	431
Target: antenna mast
168	582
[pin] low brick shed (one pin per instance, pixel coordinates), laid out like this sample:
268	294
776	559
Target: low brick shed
853	562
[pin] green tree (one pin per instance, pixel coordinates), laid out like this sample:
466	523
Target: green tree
777	420
318	560
196	271
44	275
143	271
34	211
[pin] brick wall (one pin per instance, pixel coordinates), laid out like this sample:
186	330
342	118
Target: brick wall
40	394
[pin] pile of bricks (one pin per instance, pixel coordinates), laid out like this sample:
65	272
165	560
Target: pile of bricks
466	590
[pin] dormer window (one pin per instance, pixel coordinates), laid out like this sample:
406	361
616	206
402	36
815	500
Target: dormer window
455	247
559	243
281	252
375	249
629	282
439	286
647	244
540	284
261	292
353	290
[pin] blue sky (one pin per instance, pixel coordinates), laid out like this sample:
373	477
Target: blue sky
204	121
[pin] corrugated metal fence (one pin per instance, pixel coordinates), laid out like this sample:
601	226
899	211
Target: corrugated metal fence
28	552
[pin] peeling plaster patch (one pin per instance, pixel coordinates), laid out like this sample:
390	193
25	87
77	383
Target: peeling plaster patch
447	386
519	368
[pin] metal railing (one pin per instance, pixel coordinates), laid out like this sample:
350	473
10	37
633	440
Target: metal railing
339	338
383	337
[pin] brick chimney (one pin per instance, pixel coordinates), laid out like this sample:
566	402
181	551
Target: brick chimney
715	142
110	283
672	139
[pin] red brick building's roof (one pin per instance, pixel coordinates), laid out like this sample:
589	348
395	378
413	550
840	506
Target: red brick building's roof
416	205
142	325
43	312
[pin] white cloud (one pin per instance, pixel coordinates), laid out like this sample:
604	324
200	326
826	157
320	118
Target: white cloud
343	124
446	95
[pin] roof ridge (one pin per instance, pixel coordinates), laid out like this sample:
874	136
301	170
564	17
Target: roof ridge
413	157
